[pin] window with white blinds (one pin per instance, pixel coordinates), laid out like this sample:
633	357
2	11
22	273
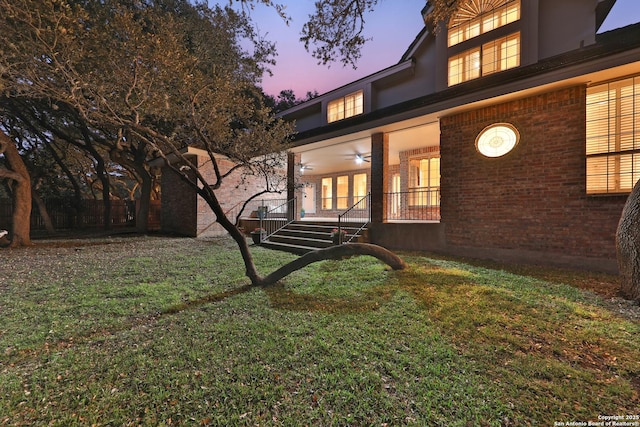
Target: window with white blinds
342	192
345	107
360	189
496	55
424	181
613	136
327	193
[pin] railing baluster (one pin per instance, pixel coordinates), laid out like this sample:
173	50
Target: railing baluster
416	205
360	212
277	218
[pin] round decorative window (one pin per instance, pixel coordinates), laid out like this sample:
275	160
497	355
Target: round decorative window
497	140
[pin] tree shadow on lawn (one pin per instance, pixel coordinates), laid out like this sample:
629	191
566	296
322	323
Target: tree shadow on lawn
552	352
505	318
527	335
207	299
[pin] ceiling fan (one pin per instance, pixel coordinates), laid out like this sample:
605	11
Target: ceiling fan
360	158
302	167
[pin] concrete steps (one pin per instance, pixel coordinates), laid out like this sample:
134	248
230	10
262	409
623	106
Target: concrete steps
301	237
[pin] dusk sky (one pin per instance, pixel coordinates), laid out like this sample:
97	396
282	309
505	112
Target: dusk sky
392	27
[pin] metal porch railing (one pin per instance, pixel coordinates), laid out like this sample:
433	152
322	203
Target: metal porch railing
277	218
357	215
414	205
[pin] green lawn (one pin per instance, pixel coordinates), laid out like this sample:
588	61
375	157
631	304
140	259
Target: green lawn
158	331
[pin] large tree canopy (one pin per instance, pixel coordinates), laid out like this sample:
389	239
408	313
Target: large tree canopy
142	80
335	30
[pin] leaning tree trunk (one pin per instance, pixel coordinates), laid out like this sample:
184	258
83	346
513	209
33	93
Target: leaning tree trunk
336	252
628	245
208	195
17	171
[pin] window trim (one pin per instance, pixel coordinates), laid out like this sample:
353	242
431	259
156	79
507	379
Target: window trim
466	16
612	153
470	73
417	196
326	195
341	104
484	146
342	197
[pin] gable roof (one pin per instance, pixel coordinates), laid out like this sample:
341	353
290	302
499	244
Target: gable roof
602	11
411	50
608	45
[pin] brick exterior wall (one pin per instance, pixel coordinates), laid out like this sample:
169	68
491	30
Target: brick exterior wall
178	205
183	212
534	198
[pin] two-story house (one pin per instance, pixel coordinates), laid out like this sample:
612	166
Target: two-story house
511	132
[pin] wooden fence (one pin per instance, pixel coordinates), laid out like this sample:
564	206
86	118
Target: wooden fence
90	214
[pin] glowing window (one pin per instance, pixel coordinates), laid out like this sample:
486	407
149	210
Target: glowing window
496	55
424	181
327	193
465	66
501	54
360	189
475	17
342	192
345	107
613	136
497	140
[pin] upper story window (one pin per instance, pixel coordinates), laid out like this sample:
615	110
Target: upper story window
496	55
347	106
477	17
613	136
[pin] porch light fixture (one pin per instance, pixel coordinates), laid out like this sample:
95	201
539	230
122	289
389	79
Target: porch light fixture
497	139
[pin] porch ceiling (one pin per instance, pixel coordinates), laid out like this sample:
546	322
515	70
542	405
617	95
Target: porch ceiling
339	154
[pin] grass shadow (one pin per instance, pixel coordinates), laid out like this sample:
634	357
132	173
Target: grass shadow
283	298
207	299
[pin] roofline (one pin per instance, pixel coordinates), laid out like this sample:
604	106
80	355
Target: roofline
398	68
417	42
608	44
602	11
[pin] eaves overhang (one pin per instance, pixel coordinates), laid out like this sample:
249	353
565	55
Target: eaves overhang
399	69
613	48
417	42
602	11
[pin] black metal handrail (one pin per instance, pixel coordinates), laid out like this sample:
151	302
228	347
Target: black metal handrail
277	218
359	213
414	205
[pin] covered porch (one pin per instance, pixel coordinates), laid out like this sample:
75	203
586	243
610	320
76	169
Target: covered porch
381	185
398	165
